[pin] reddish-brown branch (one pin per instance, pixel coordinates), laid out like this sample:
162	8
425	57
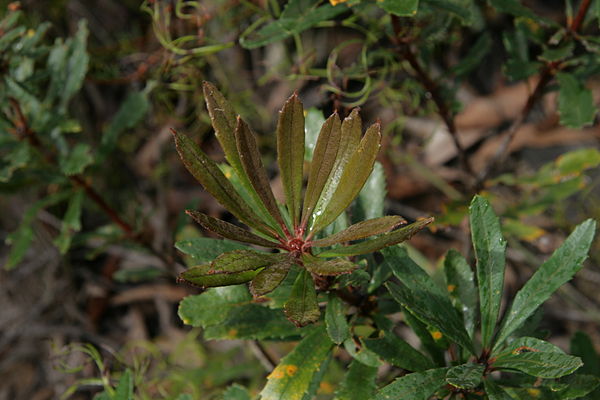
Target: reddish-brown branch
581	13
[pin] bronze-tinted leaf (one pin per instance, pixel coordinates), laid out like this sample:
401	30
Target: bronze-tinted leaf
355	174
302	307
290	154
385	240
362	230
201	276
228	230
253	166
349	141
333	267
324	158
243	260
210	176
270	277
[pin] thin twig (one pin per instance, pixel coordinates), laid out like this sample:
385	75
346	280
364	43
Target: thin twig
434	89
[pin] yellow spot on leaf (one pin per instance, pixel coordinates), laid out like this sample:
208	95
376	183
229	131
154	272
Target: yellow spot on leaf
534	392
232	333
186	321
30	33
451	288
436	335
276	374
326	388
291	370
336	2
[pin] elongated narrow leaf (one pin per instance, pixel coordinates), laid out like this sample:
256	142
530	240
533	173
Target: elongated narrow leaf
244	260
359	382
354	176
302	308
335	320
203	250
385	240
269	278
291	379
359	352
541	364
494	391
71	222
349	141
204	277
465	376
228	231
556	271
370	201
210	176
362	230
253	166
328	267
415	386
528	344
212	306
462	289
428	343
397	352
423	298
322	163
290	154
124	390
490	247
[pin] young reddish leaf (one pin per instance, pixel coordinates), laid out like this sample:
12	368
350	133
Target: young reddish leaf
290	154
302	307
210	176
349	141
361	230
228	230
385	240
322	163
270	277
202	276
243	260
354	176
333	267
253	166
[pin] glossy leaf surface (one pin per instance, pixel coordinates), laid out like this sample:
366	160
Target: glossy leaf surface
465	376
398	352
361	230
461	287
556	271
541	364
335	320
301	307
489	247
203	276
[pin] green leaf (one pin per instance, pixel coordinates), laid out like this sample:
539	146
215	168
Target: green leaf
465	376
204	276
302	308
515	8
397	352
298	16
77	64
328	267
473	59
575	102
236	392
269	278
582	346
556	271
203	250
385	240
228	230
253	166
489	247
577	161
427	342
461	286
124	390
132	112
212	306
291	379
361	353
494	391
71	222
575	386
322	163
210	176
423	298
290	154
401	8
541	364
335	320
224	122
77	159
358	383
415	386
370	200
244	260
361	230
355	174
529	344
313	123
17	157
